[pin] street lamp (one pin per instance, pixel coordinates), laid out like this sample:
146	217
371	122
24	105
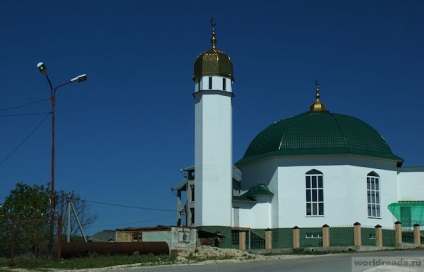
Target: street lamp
43	69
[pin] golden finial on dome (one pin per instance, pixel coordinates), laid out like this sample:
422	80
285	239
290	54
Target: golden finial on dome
317	106
213	39
213	61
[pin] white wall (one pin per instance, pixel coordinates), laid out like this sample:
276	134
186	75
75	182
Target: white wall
252	215
262	172
213	159
345	189
411	184
217	83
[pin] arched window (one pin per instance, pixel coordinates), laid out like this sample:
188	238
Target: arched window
314	193
373	194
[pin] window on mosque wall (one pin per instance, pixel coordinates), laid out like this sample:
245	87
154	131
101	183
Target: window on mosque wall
373	194
210	83
314	182
224	84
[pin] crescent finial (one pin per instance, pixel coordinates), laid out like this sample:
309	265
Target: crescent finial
213	39
212	23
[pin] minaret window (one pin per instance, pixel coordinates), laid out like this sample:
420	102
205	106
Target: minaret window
314	193
192	192
210	83
192	216
224	84
373	194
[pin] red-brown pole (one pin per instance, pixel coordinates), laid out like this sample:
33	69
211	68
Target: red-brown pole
12	254
43	69
52	197
53	98
59	239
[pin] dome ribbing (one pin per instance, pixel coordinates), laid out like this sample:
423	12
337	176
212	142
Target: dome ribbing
318	133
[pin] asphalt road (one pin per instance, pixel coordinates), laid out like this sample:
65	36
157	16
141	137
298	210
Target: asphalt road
404	261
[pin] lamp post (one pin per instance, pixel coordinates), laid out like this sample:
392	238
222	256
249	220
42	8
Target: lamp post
43	69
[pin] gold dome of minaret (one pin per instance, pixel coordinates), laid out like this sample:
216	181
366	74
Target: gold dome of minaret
317	106
213	62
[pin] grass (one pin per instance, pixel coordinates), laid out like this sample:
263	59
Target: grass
97	261
92	261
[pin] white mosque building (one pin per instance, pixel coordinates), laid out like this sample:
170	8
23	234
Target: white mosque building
311	169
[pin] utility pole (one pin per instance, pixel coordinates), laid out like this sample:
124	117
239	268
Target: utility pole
70	205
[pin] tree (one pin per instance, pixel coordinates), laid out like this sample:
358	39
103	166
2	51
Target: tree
27	201
27	208
24	215
82	210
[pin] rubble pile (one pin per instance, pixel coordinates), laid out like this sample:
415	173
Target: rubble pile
207	253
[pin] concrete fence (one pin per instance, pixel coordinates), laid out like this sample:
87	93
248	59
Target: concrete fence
326	236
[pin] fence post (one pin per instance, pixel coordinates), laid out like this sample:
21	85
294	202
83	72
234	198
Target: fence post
357	237
378	236
242	240
268	239
325	235
417	235
296	237
398	234
59	238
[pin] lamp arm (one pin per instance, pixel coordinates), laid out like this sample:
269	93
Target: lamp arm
50	83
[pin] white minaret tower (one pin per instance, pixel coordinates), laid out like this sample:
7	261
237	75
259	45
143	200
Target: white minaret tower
213	77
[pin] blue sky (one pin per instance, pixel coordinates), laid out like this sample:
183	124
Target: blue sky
123	135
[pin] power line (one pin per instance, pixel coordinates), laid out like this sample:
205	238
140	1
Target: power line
131	223
132	207
121	206
23	114
23	105
24	140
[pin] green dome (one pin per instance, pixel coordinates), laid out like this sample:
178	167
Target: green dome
318	133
